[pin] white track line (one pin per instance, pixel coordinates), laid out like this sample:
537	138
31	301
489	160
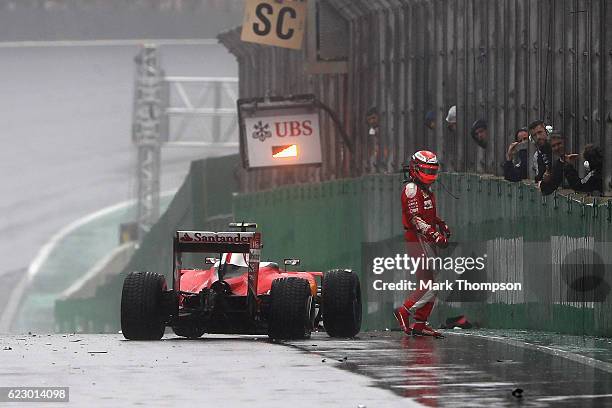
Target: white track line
108	43
570	397
8	316
589	361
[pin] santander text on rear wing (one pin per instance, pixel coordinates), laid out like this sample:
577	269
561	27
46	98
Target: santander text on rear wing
217	242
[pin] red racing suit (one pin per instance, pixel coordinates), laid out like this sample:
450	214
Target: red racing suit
421	225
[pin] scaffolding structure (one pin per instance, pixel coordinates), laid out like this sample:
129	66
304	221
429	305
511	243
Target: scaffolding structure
179	112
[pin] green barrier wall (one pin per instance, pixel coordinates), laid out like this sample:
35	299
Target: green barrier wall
347	223
558	247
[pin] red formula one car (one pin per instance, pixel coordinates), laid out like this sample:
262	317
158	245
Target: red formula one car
235	293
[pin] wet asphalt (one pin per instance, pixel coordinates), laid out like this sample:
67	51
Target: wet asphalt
384	369
468	371
214	371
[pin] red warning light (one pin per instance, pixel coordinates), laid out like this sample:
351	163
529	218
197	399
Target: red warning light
284	151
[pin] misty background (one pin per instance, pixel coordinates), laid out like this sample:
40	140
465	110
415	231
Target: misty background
66	108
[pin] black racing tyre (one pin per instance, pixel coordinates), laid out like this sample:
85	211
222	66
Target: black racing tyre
291	309
341	303
189	332
141	306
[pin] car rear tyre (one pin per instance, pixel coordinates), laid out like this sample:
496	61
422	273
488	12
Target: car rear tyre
291	309
341	303
141	306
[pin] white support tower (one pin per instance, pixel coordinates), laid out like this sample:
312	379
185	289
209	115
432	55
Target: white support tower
177	112
146	135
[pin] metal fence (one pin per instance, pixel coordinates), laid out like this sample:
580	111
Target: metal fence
506	61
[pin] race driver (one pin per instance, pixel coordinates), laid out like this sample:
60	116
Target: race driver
424	233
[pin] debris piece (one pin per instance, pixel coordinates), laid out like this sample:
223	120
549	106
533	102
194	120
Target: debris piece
457	322
518	393
97	352
324	360
7	348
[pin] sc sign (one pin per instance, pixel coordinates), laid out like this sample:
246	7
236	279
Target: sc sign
272	22
283	140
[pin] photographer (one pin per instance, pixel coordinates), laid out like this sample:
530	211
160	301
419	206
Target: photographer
516	164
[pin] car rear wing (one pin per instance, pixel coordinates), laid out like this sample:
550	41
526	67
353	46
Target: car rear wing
215	242
219	242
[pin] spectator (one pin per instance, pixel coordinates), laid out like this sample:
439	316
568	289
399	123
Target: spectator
377	153
592	183
542	157
451	118
430	120
480	133
562	173
516	164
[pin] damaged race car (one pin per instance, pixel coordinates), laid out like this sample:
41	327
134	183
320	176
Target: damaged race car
229	291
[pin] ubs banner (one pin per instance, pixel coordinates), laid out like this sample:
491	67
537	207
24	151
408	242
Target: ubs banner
279	132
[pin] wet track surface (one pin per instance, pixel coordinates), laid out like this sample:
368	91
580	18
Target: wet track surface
375	370
215	371
467	371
